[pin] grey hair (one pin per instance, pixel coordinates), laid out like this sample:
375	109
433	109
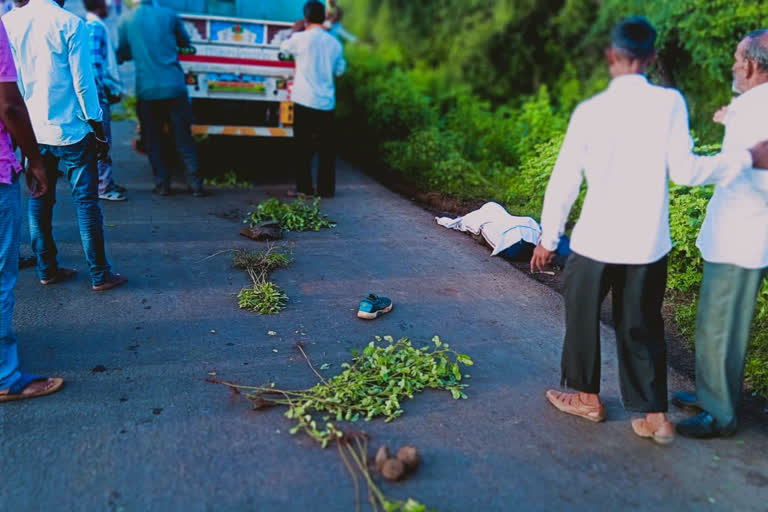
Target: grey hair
756	49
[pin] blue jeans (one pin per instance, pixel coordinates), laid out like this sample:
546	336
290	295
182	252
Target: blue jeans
78	163
105	166
10	235
176	113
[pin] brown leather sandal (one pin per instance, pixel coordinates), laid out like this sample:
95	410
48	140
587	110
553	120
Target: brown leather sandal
62	274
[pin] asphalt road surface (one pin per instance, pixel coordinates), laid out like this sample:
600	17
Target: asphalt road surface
149	433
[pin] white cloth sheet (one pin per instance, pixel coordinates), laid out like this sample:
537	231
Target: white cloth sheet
499	229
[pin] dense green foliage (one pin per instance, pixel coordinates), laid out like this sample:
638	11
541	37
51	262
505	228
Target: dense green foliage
471	99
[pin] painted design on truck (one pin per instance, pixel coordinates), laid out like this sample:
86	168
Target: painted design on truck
235	32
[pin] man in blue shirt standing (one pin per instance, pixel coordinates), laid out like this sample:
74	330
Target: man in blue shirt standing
319	57
151	36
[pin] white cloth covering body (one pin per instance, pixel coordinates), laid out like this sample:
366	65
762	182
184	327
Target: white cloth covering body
499	229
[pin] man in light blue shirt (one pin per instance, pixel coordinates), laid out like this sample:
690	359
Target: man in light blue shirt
150	36
51	49
319	57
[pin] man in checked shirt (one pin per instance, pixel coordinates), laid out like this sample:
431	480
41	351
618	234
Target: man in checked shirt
108	82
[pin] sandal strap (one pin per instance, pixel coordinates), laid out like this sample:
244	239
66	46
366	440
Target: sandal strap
25	380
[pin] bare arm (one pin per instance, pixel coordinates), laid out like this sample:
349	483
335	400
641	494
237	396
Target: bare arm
15	118
182	37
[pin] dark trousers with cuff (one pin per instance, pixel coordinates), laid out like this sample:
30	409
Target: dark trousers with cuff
638	294
314	132
176	113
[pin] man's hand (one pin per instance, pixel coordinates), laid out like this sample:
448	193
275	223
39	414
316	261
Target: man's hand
101	147
541	258
299	26
719	116
37	181
760	155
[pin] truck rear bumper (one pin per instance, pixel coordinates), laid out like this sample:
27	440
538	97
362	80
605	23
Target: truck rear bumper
246	131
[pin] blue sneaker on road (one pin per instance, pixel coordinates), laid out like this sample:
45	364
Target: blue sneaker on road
373	307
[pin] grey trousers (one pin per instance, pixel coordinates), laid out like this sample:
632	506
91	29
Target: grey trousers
726	308
638	294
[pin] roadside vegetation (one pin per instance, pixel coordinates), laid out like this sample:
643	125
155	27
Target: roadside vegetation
471	100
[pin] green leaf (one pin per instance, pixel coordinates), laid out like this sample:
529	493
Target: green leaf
465	359
437	341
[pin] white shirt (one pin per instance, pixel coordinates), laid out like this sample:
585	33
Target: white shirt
735	230
51	49
319	56
629	141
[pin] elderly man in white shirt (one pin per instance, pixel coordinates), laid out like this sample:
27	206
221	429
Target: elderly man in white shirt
734	244
51	49
319	57
628	141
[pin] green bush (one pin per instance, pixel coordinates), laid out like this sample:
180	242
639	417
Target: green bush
688	207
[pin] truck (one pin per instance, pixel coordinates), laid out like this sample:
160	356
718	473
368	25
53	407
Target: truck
238	81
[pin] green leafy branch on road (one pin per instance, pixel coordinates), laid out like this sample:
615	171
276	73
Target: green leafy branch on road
372	385
263	297
299	215
229	179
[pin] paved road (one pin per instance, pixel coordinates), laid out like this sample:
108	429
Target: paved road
150	434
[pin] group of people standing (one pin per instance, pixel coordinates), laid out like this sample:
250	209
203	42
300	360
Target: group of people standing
58	78
628	142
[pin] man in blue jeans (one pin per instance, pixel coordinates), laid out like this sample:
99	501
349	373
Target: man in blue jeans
14	121
151	36
51	49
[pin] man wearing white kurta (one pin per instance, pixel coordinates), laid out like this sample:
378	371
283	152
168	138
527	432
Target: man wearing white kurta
734	245
628	142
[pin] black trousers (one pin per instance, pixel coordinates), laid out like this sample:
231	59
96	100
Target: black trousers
176	113
638	294
315	133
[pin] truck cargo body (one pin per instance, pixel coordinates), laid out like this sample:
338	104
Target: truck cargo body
238	82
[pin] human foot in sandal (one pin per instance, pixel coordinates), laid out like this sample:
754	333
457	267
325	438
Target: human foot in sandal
113	282
62	274
584	405
31	386
654	426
